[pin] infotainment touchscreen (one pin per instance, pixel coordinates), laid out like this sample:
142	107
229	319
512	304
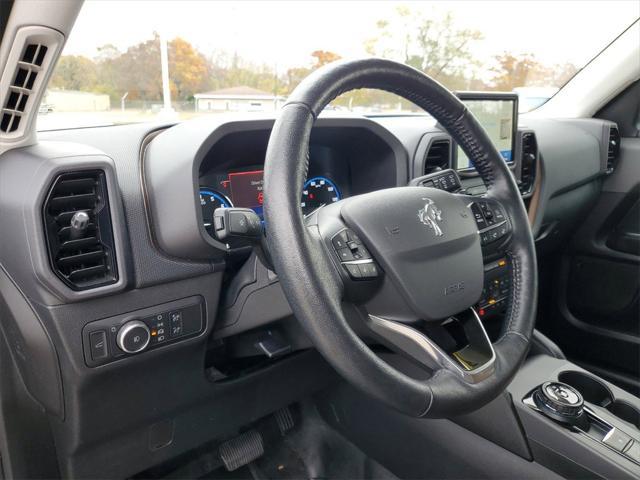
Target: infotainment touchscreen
498	115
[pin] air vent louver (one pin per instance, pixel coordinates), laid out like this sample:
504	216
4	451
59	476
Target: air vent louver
85	259
437	157
613	149
529	159
21	87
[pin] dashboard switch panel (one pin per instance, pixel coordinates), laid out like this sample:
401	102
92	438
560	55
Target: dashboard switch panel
136	332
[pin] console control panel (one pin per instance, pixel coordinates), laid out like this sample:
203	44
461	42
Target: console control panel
354	256
112	338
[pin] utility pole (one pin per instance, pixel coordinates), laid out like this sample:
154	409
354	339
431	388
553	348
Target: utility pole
167	110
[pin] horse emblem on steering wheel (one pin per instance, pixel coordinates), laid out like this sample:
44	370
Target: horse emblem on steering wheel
430	215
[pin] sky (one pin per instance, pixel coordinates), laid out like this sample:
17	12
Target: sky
282	34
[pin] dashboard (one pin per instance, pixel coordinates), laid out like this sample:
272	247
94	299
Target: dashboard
149	263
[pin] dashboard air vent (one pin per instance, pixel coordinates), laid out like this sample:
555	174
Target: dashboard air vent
437	157
21	87
613	149
529	160
83	256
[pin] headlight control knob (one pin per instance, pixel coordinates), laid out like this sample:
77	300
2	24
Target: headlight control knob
133	337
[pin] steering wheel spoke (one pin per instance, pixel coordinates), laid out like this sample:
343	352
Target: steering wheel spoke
459	344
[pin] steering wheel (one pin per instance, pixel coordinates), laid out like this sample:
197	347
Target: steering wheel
403	265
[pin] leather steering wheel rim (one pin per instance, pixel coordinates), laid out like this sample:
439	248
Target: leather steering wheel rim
309	278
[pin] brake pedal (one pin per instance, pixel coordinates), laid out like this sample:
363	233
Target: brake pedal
241	450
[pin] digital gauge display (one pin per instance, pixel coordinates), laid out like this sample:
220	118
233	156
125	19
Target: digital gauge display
211	199
318	192
245	189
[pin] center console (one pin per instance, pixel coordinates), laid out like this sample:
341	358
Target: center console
576	423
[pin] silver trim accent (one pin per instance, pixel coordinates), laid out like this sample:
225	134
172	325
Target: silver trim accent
125	329
429	353
358	262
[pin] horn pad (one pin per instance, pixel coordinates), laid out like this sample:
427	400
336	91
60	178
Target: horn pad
427	242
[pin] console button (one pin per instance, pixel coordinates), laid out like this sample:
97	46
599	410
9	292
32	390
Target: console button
616	439
175	324
98	345
632	451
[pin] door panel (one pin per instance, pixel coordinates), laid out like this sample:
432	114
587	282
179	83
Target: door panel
595	313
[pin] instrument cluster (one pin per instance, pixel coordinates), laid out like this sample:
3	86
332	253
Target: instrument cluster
245	188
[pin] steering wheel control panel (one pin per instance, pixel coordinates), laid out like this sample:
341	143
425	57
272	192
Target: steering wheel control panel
447	180
110	339
354	256
491	220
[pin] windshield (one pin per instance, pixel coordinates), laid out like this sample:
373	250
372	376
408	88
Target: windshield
143	61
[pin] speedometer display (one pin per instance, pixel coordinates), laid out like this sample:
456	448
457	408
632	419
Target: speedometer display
210	200
317	192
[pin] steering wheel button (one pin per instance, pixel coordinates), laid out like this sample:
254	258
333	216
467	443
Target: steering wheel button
345	255
354	270
353	246
340	240
368	270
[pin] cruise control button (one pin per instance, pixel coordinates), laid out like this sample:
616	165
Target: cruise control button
352	237
478	216
354	270
340	240
364	253
345	255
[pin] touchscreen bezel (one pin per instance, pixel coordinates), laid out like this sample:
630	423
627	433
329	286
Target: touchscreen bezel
489	96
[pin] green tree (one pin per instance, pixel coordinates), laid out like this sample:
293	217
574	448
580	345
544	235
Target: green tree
434	45
75	73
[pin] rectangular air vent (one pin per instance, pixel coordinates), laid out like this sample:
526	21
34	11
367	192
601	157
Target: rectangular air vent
528	162
82	258
21	86
438	156
613	148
